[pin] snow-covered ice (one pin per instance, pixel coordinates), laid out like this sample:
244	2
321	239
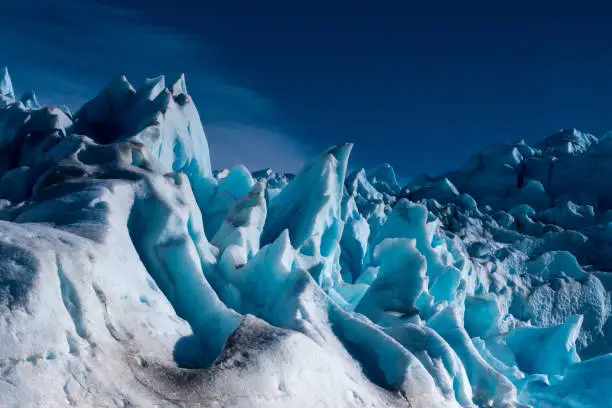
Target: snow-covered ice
131	274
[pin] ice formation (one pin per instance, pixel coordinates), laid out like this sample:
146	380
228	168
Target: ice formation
131	274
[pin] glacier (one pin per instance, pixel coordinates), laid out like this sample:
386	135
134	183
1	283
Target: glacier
132	274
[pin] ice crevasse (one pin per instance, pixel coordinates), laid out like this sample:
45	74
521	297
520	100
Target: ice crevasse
131	274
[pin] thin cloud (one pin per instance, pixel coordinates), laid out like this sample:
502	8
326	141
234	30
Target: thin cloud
256	148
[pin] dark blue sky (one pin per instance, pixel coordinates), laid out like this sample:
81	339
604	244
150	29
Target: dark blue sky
418	84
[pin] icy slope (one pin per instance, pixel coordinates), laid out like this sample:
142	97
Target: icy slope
132	275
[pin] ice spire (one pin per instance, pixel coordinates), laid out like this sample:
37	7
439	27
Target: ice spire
30	101
6	85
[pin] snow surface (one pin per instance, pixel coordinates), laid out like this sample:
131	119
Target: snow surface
131	274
